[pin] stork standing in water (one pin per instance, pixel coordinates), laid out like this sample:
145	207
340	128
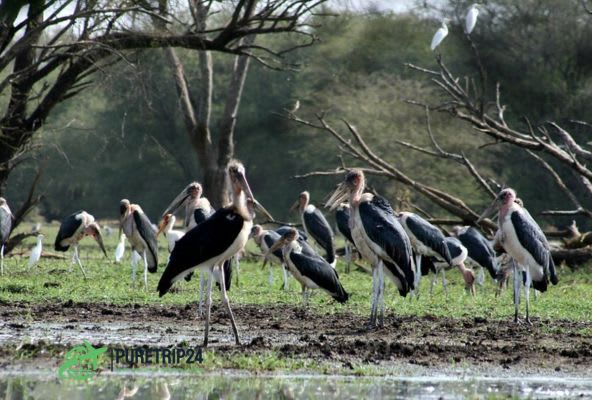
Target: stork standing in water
342	220
426	240
74	228
6	218
379	237
264	240
142	236
215	241
197	210
313	272
525	242
316	225
172	235
480	251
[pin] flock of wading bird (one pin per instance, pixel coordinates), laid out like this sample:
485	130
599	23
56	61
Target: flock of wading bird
402	245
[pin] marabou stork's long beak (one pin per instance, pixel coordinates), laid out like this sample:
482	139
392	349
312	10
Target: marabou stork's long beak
337	197
276	246
490	210
263	210
177	202
96	233
295	206
163	224
240	179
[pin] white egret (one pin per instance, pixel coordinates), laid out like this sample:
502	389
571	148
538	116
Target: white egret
471	18
36	252
120	251
439	35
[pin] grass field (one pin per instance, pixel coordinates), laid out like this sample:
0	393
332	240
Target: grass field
57	280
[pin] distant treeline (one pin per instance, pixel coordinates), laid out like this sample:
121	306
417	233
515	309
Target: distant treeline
125	139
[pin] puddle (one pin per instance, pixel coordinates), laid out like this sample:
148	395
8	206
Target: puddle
226	386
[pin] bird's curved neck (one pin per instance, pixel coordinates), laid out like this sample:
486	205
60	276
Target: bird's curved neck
240	203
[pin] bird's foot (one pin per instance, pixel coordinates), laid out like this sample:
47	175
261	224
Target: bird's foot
528	321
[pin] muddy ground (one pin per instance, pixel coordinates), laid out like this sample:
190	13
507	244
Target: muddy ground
341	339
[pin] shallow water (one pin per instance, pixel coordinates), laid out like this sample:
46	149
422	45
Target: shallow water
231	386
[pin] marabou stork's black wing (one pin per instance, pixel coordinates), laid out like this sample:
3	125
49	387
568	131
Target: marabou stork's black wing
382	227
201	214
532	238
320	272
319	229
454	246
342	219
429	235
270	238
5	225
148	234
480	250
200	244
67	229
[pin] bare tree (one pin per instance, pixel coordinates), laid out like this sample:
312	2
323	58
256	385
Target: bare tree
52	53
214	151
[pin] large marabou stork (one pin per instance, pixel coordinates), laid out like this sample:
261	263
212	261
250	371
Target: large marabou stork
481	252
214	241
316	225
378	236
142	236
197	210
74	228
264	239
342	220
313	272
6	218
525	242
458	254
426	240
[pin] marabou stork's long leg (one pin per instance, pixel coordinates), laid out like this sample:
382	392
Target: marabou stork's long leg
2	260
433	281
225	300
527	286
381	293
480	277
145	271
516	288
79	261
203	280
444	282
133	266
208	305
270	273
285	277
347	256
237	269
373	298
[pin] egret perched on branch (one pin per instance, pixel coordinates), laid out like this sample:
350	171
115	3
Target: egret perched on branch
74	228
36	252
471	18
6	218
525	242
439	35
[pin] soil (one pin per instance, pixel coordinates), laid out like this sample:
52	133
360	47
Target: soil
341	339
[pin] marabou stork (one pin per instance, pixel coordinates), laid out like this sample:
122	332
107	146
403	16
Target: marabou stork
378	236
481	251
459	254
74	228
6	218
172	235
264	239
426	240
316	225
215	241
142	236
197	210
313	272
525	242
471	18
342	220
282	230
36	252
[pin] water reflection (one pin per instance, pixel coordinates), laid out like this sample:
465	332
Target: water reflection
166	387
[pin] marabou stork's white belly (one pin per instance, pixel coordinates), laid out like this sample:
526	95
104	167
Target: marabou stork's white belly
133	235
361	240
73	240
513	247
